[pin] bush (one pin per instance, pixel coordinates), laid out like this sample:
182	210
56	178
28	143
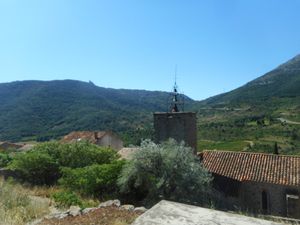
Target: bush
36	167
79	154
42	164
66	199
96	179
4	159
168	171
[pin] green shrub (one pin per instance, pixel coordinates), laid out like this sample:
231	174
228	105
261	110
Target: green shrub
79	154
36	167
4	159
168	171
41	164
95	180
65	199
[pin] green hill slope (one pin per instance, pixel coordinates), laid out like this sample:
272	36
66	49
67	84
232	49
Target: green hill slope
48	109
256	115
282	82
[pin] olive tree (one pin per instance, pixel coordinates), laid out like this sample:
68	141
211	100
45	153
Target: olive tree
166	171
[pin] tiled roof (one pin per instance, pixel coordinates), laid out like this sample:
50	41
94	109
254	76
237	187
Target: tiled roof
257	167
6	145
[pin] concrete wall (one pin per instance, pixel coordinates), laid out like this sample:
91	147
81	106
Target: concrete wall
111	140
181	126
251	197
248	197
229	190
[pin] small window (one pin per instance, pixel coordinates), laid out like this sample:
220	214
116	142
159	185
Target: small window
264	201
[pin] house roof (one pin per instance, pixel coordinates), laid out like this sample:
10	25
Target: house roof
6	145
91	136
257	167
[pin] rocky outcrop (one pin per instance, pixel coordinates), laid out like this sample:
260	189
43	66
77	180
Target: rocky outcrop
77	211
127	207
140	209
108	203
87	210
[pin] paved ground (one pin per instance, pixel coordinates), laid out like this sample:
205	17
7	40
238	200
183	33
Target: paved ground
171	213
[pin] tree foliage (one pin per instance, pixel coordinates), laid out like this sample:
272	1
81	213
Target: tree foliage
169	170
78	154
65	199
43	164
4	159
36	167
95	179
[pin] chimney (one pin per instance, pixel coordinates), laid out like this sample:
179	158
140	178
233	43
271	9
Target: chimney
96	135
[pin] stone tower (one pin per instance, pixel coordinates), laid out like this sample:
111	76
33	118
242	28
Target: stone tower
176	124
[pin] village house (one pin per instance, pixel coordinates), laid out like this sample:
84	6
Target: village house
101	138
257	182
8	145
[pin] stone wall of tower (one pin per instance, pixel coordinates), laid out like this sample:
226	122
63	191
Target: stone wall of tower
181	126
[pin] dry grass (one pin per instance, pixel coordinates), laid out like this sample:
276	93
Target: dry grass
41	191
17	206
48	191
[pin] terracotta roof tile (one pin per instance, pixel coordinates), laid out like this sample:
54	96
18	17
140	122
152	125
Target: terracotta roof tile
258	167
91	136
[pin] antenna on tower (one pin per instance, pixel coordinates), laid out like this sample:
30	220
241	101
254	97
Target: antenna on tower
176	75
176	104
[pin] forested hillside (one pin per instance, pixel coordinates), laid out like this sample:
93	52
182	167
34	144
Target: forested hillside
42	110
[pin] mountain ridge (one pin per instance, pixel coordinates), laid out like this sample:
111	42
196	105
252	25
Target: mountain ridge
42	110
283	81
53	108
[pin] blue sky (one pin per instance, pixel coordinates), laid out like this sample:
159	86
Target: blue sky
135	44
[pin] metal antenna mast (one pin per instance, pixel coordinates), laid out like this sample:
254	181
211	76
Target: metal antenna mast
176	75
175	96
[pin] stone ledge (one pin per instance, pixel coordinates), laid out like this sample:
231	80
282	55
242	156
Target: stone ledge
173	213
